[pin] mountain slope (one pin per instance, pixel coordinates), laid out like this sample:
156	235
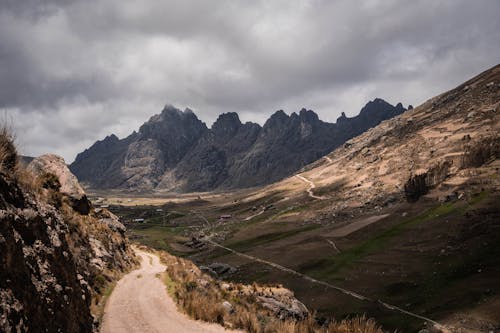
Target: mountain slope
176	151
441	139
55	262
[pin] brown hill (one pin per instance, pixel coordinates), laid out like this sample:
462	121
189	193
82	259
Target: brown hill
451	142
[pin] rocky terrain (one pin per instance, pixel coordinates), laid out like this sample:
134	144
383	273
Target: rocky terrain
175	151
58	255
450	142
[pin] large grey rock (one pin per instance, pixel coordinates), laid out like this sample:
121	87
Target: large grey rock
291	308
54	164
218	269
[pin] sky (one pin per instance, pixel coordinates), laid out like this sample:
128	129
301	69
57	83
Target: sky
75	71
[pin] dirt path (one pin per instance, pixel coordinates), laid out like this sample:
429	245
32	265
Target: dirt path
140	303
255	215
311	188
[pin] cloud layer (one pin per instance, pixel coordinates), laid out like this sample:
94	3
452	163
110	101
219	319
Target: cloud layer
72	72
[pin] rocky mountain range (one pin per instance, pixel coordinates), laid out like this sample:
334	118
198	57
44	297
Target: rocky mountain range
175	151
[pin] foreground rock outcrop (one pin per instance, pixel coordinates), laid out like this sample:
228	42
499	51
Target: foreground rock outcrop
53	164
176	151
54	261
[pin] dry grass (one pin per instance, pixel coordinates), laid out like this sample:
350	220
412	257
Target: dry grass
8	152
202	298
9	164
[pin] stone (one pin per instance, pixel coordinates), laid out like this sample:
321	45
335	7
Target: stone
221	269
228	307
50	163
289	309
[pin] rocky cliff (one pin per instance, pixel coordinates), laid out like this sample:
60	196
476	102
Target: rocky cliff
55	261
176	151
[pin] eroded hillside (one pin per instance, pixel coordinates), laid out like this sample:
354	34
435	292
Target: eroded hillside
57	254
451	139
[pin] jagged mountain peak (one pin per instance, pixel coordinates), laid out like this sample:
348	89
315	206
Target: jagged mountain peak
111	137
175	150
308	115
229	118
226	125
277	119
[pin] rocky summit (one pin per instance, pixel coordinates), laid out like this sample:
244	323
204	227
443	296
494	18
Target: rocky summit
175	151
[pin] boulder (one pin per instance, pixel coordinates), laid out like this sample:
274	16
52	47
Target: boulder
222	269
110	219
54	164
228	307
290	308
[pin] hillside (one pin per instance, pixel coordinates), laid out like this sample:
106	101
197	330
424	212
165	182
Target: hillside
450	141
175	151
58	256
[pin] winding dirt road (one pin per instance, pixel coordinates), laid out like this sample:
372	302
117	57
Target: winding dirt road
312	186
140	303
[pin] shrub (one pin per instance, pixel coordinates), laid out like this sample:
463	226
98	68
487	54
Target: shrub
50	181
8	152
201	297
480	152
415	187
420	184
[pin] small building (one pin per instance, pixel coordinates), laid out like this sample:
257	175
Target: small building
225	217
139	220
104	206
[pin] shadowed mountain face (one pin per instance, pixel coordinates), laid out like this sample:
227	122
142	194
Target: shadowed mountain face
176	151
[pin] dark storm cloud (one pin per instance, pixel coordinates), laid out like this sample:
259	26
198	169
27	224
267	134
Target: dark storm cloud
84	69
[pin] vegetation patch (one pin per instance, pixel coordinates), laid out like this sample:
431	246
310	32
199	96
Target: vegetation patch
239	306
268	238
326	267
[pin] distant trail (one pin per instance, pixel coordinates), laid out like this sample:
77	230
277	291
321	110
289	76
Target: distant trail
255	215
140	303
311	187
328	285
332	243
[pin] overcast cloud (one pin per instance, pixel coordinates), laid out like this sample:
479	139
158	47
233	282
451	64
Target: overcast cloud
72	72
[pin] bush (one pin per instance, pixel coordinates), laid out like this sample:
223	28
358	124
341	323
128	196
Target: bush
481	152
415	187
8	153
420	184
201	297
50	181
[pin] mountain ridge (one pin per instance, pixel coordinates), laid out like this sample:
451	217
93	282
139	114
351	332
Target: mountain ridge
176	151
